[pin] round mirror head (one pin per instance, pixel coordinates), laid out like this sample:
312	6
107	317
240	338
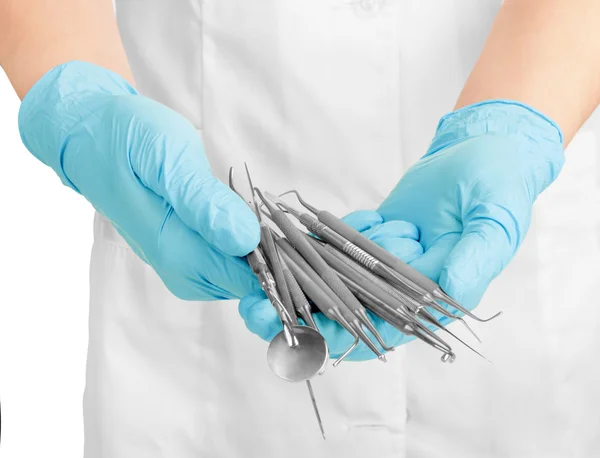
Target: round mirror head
301	362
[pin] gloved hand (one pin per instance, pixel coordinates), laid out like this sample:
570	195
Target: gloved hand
143	166
398	237
470	198
471	195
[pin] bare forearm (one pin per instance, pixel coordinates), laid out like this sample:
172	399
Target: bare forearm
37	35
545	53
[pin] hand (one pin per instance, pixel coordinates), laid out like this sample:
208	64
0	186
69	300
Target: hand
143	166
471	195
398	237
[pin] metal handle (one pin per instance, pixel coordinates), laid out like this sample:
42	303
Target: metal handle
352	235
272	255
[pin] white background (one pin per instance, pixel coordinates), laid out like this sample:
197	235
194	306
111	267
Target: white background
45	242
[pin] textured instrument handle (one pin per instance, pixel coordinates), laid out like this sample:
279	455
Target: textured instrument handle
399	294
353	272
298	297
296	238
360	255
312	224
352	235
270	250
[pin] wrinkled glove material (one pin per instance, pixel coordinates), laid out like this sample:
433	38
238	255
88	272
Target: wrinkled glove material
143	166
471	194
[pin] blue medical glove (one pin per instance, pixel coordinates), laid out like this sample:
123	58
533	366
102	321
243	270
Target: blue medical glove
143	166
471	195
398	237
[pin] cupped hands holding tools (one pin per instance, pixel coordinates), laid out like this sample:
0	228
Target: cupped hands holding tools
458	215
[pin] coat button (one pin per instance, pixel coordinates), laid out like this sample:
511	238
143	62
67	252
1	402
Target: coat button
370	5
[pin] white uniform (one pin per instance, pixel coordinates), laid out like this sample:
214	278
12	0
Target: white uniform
338	98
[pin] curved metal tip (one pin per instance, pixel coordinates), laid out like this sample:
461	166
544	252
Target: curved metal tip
476	318
441	295
282	205
465	344
493	316
364	319
231	178
346	353
305	204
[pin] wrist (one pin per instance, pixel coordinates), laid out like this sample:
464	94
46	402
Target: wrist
60	101
532	129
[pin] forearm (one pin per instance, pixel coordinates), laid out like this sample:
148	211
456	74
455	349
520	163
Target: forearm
545	54
38	35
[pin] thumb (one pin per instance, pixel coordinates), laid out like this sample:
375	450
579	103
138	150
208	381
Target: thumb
173	165
488	242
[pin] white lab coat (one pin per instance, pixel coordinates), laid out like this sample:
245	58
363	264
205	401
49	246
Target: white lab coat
337	98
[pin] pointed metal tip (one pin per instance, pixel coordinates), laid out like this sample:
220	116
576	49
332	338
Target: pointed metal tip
465	344
382	358
440	294
316	409
470	329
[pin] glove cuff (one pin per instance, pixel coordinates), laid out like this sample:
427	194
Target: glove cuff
61	100
505	117
537	136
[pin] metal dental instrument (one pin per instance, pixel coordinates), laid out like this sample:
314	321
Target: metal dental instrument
400	322
358	254
379	289
297	240
270	251
298	297
276	355
351	302
297	353
322	296
363	312
355	273
303	307
311	393
412	277
258	264
325	233
389	291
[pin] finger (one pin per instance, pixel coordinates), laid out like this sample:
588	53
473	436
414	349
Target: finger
169	159
405	249
260	316
362	220
195	270
397	237
398	229
488	242
432	260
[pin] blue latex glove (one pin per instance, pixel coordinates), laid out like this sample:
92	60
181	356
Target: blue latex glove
398	237
471	195
143	166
